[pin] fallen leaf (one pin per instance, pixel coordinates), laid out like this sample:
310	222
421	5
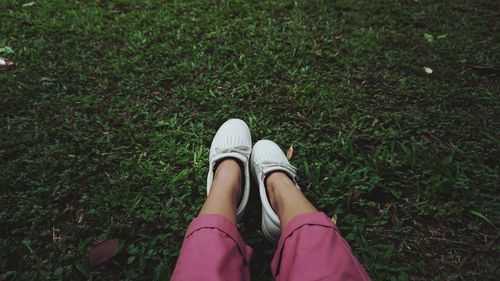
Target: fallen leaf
352	196
334	218
102	252
56	235
300	115
484	250
289	152
426	139
428	70
80	218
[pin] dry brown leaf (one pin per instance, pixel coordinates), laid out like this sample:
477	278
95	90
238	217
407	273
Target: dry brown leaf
80	218
334	218
289	152
352	196
483	251
56	235
300	115
102	252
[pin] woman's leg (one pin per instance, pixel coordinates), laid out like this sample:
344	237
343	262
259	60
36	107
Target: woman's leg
310	246
286	199
225	192
213	248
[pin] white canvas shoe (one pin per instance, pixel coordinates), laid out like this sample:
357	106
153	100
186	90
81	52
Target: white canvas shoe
268	157
232	140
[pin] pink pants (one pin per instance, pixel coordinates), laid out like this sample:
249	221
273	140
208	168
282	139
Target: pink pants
310	248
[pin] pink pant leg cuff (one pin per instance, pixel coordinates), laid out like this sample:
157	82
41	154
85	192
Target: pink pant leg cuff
222	224
316	218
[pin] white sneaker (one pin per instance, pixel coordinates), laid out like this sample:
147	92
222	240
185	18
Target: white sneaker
267	157
233	140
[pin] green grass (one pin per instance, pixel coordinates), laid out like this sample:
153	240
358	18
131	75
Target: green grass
109	112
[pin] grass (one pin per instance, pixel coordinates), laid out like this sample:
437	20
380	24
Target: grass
108	114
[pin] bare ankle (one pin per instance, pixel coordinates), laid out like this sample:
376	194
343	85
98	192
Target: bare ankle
285	198
277	182
228	175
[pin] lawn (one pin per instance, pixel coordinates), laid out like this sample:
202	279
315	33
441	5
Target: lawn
106	116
